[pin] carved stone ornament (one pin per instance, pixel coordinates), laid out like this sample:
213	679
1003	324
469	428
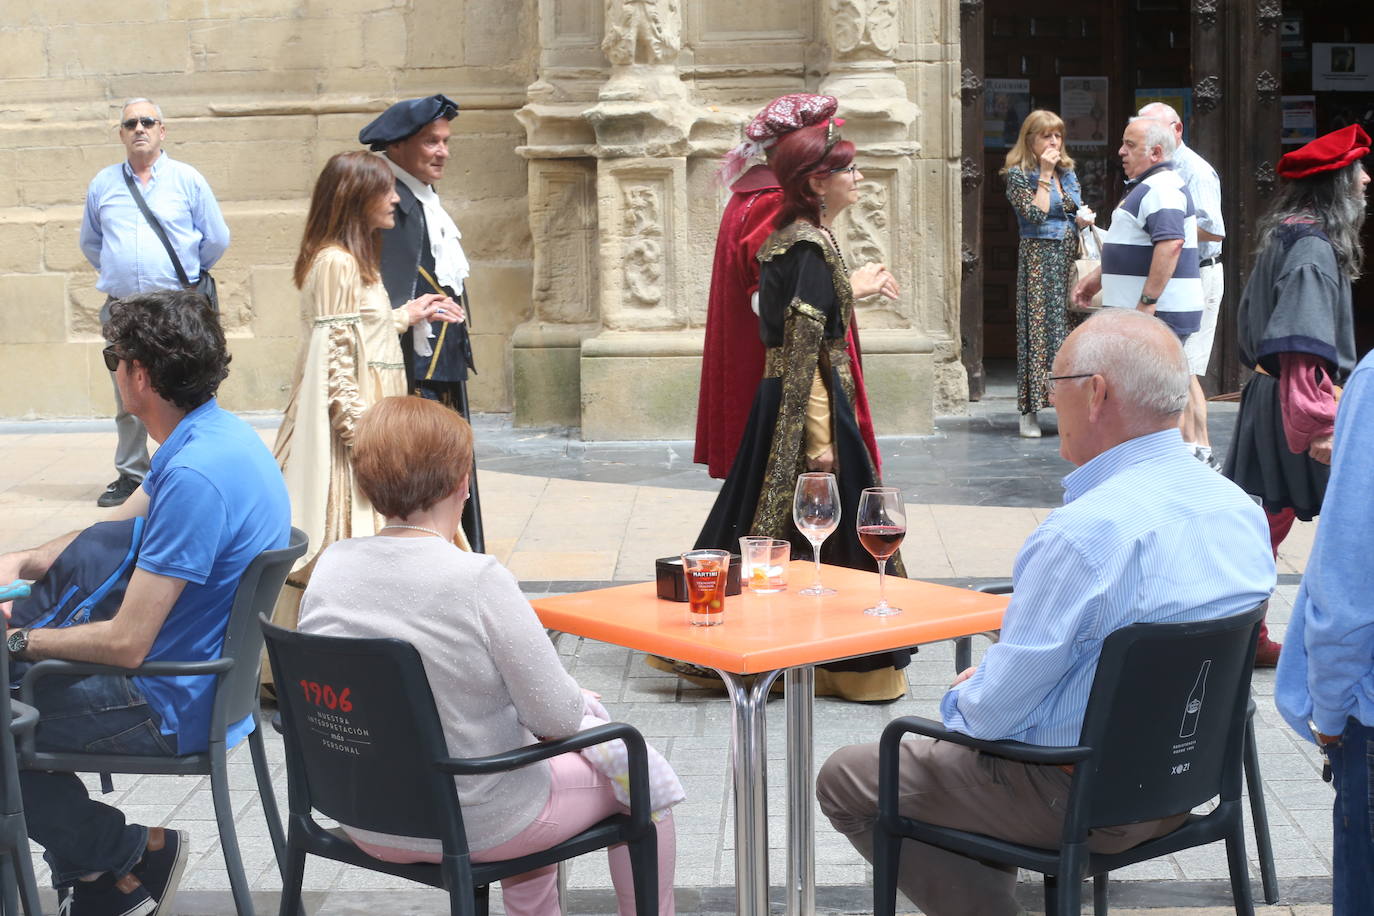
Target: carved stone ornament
969	259
970	8
867	235
1266	86
1268	13
1207	93
1265	178
1206	12
861	25
970	173
643	248
642	31
970	86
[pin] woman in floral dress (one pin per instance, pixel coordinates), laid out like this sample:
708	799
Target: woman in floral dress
1044	192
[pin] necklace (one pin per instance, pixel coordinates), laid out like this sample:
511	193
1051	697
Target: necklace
437	534
840	254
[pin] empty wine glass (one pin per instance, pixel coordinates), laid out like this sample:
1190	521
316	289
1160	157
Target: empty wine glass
816	511
882	526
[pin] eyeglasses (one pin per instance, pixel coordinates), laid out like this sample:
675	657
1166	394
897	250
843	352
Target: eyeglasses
1051	379
112	359
147	123
851	169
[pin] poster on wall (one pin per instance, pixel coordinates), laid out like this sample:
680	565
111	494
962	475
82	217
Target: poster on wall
1005	105
1083	106
1299	119
1180	100
1342	67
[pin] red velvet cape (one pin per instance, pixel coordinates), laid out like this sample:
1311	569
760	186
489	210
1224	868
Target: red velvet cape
732	359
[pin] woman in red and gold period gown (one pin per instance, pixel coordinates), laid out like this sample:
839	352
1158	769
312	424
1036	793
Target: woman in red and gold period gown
803	415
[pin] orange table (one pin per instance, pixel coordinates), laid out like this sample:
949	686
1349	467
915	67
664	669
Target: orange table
767	635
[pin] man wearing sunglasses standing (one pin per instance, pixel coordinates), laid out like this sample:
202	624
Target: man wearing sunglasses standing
123	246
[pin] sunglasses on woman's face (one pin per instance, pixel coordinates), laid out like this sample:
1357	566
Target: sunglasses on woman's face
147	123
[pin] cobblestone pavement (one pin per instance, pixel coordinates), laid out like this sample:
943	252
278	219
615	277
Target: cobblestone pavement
975	490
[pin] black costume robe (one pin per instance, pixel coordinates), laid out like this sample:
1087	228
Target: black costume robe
805	307
1297	300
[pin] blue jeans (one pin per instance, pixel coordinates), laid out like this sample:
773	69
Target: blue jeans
1352	771
99	714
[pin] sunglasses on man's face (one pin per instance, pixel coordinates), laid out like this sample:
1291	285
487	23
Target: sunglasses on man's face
111	358
147	123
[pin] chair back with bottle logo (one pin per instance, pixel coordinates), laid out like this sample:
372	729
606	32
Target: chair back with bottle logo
1166	720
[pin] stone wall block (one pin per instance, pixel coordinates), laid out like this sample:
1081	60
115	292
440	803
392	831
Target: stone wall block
57	175
83	304
642	218
490	389
562	218
499	26
120	47
707	201
500	297
61	232
260	375
494	230
276	304
263	234
71	12
260	168
24	52
70	384
32	312
385	38
276	44
21	248
436	30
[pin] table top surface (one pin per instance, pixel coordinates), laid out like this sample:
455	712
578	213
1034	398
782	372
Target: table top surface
782	630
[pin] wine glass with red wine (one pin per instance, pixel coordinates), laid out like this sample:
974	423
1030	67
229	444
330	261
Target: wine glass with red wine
882	525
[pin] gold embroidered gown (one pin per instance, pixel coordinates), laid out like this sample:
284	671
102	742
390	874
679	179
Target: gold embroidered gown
805	307
352	360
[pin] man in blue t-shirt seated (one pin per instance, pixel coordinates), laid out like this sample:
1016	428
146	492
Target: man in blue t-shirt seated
213	499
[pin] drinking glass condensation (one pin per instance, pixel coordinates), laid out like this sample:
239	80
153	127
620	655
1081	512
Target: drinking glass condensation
707	572
881	522
765	563
816	513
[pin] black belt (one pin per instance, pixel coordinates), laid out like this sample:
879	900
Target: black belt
1208	262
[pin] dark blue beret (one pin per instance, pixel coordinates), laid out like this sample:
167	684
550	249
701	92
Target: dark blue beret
404	118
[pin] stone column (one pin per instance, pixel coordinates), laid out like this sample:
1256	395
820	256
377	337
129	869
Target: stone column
861	39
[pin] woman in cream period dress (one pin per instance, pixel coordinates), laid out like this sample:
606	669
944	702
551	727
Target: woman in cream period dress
352	356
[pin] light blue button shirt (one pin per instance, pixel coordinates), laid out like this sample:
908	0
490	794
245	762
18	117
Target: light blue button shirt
117	240
1147	533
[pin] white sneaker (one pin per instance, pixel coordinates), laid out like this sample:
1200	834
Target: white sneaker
1030	428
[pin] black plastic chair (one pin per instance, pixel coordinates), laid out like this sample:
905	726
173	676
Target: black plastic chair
1163	733
1254	781
17	883
236	696
365	747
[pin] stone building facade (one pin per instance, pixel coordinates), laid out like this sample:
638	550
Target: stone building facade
581	176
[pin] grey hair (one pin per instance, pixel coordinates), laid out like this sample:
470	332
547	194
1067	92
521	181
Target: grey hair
1139	356
1335	200
1162	112
1157	133
156	106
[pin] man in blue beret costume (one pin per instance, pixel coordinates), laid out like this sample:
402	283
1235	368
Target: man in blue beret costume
423	253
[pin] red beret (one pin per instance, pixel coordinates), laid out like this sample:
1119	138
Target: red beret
1327	153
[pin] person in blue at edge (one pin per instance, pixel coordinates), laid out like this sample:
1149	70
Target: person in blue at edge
214	500
1325	685
1146	534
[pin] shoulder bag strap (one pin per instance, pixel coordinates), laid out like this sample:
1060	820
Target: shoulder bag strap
157	227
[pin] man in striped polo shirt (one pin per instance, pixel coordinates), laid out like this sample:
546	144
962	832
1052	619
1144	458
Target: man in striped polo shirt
1149	261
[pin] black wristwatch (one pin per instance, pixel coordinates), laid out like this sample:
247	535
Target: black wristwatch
1148	300
18	642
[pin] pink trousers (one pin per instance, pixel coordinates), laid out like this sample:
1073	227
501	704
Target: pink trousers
579	797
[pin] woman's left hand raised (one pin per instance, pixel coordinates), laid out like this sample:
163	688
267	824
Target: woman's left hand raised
433	307
873	279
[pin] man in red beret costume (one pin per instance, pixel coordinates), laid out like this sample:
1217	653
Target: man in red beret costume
732	359
1296	332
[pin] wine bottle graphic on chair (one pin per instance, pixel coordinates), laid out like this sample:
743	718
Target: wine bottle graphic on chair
1193	708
